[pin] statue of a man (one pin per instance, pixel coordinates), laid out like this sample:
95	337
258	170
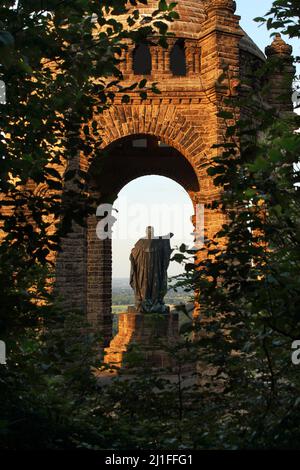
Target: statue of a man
150	259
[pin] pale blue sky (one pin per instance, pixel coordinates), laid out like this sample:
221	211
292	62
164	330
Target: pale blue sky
249	9
145	195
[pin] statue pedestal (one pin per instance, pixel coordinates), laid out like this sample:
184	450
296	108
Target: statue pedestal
143	339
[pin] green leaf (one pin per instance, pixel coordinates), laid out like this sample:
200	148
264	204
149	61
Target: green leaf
163	6
225	115
143	83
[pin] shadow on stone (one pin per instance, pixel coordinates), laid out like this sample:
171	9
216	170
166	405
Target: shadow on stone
143	339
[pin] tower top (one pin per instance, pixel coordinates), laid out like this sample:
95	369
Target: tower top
279	48
227	5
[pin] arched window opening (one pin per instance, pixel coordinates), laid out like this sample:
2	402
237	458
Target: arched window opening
142	61
152	200
178	59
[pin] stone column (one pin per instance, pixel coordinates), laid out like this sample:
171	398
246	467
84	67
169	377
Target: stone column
196	59
71	270
167	55
70	276
129	59
99	280
156	63
123	64
220	39
281	74
193	57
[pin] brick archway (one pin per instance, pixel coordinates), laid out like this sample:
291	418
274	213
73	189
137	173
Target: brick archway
189	127
138	155
126	159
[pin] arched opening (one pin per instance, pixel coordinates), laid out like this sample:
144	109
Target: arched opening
178	59
142	60
123	162
138	155
161	203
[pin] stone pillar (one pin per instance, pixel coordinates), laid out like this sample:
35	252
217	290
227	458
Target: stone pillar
129	59
220	40
143	340
165	61
84	276
281	73
70	276
123	64
167	56
161	59
99	280
193	57
156	61
197	59
71	270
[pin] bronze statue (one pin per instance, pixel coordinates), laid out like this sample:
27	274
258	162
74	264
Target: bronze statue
150	259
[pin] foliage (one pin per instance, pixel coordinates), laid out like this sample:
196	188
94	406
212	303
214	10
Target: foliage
48	390
249	288
249	284
283	15
60	64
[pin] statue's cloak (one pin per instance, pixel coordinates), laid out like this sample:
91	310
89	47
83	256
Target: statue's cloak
150	259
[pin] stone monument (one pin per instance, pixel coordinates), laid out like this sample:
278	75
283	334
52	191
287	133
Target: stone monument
150	259
149	328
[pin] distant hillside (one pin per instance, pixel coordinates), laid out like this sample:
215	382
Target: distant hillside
122	294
